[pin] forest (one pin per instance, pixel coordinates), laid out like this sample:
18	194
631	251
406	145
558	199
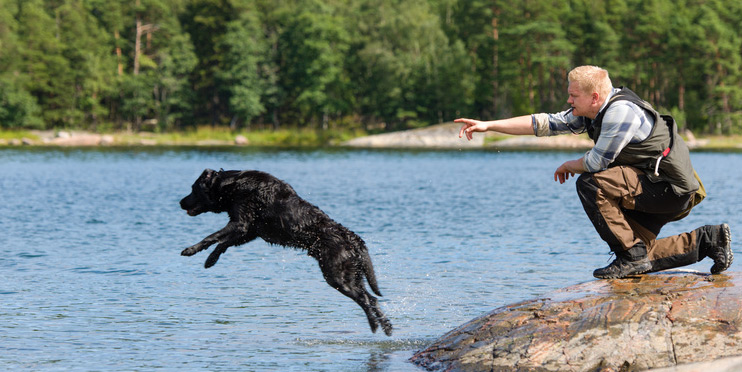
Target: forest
371	65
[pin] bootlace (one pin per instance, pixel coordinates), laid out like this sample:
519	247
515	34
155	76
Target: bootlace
611	256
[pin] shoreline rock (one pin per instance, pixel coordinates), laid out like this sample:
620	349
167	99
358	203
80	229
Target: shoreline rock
563	142
446	136
660	320
441	136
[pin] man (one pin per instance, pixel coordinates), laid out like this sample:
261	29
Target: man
637	177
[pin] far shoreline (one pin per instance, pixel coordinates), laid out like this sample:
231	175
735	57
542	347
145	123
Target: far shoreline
436	137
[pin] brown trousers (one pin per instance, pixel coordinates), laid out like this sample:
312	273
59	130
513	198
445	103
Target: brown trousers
628	211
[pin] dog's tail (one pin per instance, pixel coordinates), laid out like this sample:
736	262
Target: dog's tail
368	269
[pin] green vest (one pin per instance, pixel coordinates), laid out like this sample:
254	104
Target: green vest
652	155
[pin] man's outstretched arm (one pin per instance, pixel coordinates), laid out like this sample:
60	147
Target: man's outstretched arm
519	125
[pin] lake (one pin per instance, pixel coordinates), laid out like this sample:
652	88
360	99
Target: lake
91	277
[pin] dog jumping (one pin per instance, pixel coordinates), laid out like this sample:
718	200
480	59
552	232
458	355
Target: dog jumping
260	205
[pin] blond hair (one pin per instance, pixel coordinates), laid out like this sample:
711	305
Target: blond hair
591	79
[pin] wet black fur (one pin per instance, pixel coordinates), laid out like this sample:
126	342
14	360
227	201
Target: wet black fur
262	206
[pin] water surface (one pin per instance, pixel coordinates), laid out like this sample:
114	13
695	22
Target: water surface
92	279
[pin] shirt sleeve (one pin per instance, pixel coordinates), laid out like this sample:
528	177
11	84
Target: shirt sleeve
621	125
555	124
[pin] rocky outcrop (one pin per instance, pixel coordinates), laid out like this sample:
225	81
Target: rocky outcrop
435	136
446	136
80	139
563	142
65	138
634	324
728	364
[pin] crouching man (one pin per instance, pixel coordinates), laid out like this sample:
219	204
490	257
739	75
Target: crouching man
637	177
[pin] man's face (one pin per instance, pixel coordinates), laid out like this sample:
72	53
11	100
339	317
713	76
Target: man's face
583	104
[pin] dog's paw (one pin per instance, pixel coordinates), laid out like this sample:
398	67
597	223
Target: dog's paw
386	326
211	261
190	251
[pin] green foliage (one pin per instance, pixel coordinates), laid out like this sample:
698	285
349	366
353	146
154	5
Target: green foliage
312	49
243	48
321	66
18	109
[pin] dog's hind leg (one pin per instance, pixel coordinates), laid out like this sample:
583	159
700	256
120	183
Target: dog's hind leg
353	288
379	316
386	325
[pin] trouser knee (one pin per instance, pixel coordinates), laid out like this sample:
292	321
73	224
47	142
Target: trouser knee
586	187
585	181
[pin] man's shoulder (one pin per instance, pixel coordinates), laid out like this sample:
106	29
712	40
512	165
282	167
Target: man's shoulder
622	108
626	96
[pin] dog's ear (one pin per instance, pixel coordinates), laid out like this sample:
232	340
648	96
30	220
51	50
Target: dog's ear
208	177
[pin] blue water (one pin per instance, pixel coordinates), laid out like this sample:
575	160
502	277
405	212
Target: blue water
91	277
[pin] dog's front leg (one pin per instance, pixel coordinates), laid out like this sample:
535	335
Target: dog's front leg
228	241
209	240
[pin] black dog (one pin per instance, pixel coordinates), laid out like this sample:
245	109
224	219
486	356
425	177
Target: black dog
260	205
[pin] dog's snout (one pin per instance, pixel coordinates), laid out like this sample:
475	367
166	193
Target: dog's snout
187	202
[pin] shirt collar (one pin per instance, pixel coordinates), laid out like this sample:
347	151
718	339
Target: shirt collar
607	99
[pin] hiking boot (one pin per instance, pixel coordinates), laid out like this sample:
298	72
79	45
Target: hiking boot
721	251
622	267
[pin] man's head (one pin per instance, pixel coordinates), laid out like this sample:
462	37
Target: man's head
588	88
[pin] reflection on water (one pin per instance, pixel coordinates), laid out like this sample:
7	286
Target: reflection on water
92	278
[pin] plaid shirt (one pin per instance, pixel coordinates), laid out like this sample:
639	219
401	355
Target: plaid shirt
623	123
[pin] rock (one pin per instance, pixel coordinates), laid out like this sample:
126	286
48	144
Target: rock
210	142
730	364
241	140
567	141
106	140
447	136
81	139
634	324
435	136
692	142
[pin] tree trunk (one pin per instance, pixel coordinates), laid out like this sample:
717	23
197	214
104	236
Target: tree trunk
495	59
137	49
118	53
137	42
681	88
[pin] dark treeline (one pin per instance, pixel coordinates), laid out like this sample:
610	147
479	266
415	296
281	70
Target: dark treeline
338	64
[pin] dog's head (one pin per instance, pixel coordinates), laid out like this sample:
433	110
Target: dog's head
202	197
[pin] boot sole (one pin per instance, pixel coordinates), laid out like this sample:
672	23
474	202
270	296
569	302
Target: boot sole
728	254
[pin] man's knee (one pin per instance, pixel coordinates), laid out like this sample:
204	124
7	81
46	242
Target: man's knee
585	182
587	190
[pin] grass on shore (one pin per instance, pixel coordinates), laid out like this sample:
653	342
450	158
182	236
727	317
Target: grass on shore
723	142
215	136
263	137
17	134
